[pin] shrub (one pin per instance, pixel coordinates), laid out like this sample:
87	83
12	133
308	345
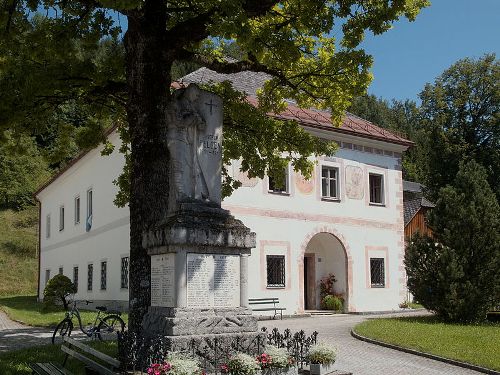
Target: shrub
57	289
326	285
182	364
322	353
457	272
333	302
275	357
241	364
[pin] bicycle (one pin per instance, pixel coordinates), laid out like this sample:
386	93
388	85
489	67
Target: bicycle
105	327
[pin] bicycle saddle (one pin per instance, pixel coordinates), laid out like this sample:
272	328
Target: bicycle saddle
101	308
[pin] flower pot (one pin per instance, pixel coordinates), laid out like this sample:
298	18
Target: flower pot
292	370
320	369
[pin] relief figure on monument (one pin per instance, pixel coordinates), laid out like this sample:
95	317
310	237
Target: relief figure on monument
185	145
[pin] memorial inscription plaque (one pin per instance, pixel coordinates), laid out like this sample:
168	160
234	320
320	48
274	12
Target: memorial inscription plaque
162	280
213	280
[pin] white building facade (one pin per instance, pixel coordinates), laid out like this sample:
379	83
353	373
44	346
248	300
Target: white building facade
347	220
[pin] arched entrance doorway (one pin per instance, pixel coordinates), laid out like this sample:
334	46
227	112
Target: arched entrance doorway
324	255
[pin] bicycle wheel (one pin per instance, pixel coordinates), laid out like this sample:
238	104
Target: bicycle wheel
64	328
109	327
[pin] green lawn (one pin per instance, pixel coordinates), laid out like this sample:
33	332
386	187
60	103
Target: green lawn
16	362
27	310
476	344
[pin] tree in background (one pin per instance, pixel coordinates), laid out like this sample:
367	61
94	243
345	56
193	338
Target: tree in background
457	272
22	170
72	52
402	117
461	119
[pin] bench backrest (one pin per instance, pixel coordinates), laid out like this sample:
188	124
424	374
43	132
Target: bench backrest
68	347
263	301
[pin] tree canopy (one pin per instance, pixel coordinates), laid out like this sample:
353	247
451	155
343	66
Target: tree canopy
56	53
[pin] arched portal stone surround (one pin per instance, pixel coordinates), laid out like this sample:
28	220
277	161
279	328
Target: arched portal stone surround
348	264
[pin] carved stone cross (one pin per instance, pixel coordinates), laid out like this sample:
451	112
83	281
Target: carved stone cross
211	105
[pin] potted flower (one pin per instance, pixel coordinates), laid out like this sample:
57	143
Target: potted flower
276	361
321	357
241	364
176	363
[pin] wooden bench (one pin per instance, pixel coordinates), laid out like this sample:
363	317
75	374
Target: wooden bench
261	304
76	349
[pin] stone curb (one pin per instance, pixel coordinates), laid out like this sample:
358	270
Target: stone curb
426	355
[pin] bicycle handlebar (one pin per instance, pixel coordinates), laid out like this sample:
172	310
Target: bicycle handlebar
87	302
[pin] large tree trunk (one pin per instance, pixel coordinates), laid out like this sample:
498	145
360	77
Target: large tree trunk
148	79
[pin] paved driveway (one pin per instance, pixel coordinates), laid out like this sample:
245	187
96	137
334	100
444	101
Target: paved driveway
356	356
17	336
362	358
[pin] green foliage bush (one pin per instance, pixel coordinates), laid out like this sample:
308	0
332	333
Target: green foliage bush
457	273
56	290
332	302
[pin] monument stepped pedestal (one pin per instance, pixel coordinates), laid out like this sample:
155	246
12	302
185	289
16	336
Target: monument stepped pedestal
199	254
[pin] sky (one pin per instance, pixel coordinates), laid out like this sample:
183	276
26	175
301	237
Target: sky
415	53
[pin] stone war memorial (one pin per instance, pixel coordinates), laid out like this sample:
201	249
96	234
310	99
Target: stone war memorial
199	254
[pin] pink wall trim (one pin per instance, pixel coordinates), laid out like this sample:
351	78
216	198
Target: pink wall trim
348	258
282	214
385	249
288	258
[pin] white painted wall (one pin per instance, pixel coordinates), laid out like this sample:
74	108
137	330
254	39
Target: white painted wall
284	225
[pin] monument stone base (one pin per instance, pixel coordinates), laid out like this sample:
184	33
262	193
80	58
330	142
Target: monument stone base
191	322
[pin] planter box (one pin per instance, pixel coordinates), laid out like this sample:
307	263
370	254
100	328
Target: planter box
320	369
292	370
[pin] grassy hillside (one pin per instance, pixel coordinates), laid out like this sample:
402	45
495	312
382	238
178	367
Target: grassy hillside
18	254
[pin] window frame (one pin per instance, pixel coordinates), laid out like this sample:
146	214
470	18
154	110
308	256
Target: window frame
47	276
374	284
90	277
61	218
382	189
90	209
287	184
282	271
330	168
77	209
104	275
124	276
76	277
47	226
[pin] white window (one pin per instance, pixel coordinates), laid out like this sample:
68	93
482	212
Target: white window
280	188
61	218
376	188
104	274
75	277
47	227
124	273
90	276
89	210
77	210
377	272
275	271
330	182
47	276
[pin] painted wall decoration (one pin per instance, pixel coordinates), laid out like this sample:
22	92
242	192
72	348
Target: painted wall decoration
303	185
354	186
